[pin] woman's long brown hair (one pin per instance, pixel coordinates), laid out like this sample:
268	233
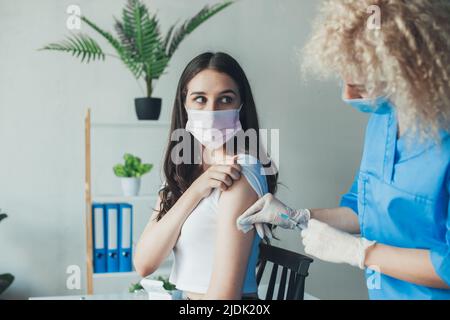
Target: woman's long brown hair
179	177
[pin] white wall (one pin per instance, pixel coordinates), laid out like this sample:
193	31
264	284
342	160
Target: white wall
43	97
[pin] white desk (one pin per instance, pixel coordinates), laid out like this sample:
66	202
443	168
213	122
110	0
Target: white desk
117	296
132	296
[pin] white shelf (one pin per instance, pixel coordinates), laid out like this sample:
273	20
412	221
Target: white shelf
117	281
131	124
120	198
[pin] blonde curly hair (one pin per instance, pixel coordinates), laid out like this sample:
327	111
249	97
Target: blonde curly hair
407	58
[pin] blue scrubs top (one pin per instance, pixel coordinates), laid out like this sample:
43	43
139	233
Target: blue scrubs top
401	196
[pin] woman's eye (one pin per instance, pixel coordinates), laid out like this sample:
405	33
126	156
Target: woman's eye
200	99
226	100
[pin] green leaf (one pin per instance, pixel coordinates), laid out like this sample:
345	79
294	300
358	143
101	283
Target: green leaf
5	281
145	168
166	283
129	161
139	31
134	66
79	45
168	37
119	170
3	216
133	166
190	25
135	287
128	172
138	161
127	157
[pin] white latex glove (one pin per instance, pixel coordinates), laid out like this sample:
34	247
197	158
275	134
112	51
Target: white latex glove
267	210
329	244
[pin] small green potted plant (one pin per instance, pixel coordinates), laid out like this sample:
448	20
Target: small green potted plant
6	279
139	43
155	288
130	174
134	287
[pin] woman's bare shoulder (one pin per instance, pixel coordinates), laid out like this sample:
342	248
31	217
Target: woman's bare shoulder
238	197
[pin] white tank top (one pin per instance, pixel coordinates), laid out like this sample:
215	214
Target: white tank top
194	251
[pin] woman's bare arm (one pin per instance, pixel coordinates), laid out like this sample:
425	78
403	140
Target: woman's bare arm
232	247
159	238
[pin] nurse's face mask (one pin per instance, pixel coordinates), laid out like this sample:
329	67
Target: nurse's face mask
378	105
213	128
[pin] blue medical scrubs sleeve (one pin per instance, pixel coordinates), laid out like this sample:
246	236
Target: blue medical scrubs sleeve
440	257
350	199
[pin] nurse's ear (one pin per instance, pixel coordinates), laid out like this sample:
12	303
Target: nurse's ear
354	91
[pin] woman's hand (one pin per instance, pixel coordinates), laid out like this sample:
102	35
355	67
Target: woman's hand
217	176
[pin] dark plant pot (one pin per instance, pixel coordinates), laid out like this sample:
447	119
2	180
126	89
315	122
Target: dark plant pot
148	108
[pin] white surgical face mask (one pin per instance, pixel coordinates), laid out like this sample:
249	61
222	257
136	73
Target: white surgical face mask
213	128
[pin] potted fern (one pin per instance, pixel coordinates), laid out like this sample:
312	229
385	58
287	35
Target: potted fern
6	279
139	44
130	174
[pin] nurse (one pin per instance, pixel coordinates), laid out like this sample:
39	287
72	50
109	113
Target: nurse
394	221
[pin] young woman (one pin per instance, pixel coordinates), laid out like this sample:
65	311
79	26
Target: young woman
196	213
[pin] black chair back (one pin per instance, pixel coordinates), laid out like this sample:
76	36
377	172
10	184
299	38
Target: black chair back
297	265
